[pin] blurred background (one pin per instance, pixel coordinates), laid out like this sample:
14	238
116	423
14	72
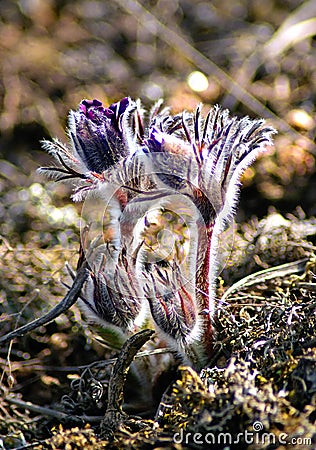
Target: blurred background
253	57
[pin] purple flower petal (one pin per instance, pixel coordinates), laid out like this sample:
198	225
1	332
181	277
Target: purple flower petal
97	133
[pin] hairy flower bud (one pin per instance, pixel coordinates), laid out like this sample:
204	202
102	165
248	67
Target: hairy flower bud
97	133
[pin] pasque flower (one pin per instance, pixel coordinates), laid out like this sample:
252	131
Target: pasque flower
167	186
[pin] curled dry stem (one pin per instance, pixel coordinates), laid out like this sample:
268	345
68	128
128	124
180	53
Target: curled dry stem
66	303
114	415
